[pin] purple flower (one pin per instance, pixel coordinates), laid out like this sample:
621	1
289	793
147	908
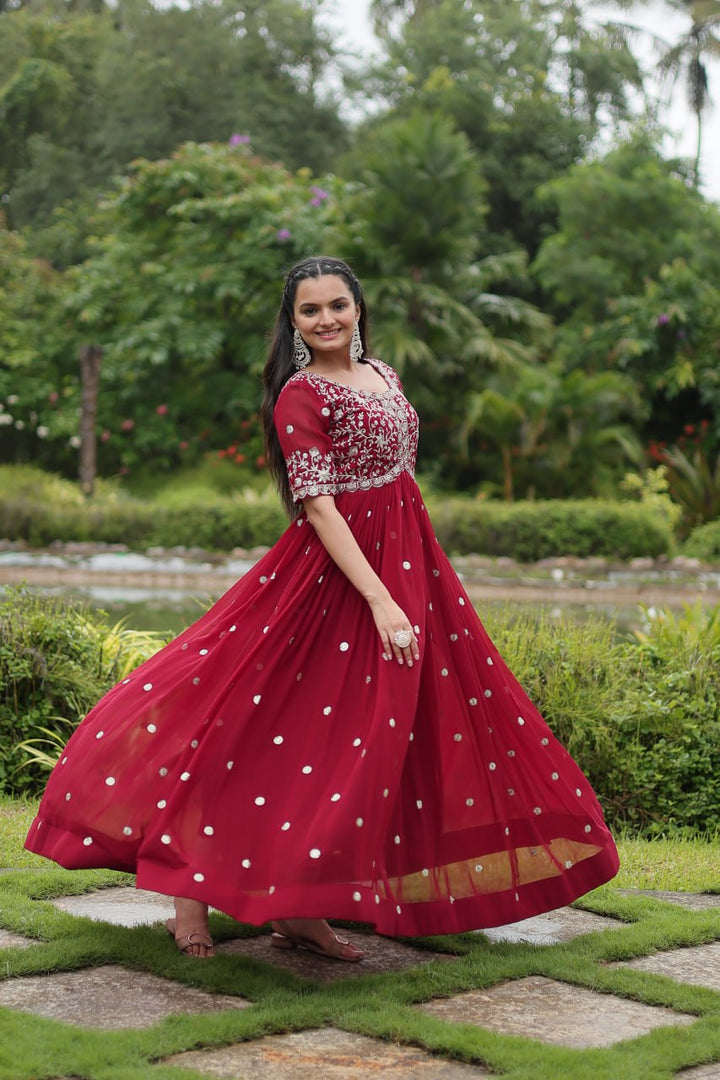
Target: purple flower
663	319
320	195
283	234
316	202
239	140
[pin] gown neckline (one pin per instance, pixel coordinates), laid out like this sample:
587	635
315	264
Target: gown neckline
356	389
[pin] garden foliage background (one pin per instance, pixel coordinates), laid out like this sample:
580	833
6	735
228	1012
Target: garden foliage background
543	278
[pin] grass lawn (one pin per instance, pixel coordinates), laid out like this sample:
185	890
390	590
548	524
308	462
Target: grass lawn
382	1006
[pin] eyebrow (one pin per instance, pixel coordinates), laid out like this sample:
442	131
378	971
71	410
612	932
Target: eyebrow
314	303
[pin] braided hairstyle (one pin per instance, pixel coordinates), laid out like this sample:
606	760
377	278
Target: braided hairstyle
279	366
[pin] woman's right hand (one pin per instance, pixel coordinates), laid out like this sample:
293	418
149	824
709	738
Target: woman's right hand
389	619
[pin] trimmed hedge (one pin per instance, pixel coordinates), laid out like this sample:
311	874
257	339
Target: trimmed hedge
704	543
528	531
525	531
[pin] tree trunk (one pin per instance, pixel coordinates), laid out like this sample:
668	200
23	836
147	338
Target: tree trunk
90	357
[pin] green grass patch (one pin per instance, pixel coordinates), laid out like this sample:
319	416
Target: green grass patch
378	1006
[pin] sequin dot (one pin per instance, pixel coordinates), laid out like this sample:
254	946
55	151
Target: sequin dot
386	792
359	822
457	737
406	565
152	728
537	810
588	828
307	769
289	429
110	781
147	686
461	602
185	777
229	764
397	839
555	776
232	629
209	831
162	804
444	672
357	742
165	838
492	766
578	792
418	803
398	909
344	646
473	701
478	868
198	877
68	796
278	740
257	699
203	652
327	710
426	873
357	896
544	742
99	734
520	721
196	680
127	831
315	853
488	693
336	797
87	841
246	864
391	721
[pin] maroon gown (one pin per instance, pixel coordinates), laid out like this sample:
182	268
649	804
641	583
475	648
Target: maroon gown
269	761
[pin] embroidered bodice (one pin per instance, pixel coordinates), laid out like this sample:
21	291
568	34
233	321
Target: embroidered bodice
339	438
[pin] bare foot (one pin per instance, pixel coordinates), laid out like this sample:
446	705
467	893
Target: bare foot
190	928
315	935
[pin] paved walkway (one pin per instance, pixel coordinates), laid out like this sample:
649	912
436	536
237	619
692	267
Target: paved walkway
539	1007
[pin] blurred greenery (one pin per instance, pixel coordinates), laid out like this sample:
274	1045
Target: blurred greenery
539	271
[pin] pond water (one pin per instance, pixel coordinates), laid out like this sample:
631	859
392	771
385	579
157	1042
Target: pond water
167	590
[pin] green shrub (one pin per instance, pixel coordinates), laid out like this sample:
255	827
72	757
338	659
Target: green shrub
56	660
528	531
704	543
641	718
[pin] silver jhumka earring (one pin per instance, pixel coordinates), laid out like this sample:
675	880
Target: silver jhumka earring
301	353
356	345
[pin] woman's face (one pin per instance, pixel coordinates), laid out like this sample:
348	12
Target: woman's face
325	314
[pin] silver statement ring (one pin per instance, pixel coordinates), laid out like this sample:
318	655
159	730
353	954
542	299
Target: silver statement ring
402	638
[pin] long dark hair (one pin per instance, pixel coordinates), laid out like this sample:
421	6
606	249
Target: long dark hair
279	366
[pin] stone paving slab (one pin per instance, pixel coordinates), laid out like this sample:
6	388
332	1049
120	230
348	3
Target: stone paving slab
382	956
555	1012
325	1054
11	940
551	928
701	1072
692	901
122	906
109	997
697	964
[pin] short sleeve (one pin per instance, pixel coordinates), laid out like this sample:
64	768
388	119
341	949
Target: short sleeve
302	422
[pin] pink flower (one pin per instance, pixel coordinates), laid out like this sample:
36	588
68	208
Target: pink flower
53	397
161	410
105	436
283	234
127	425
320	193
239	140
663	319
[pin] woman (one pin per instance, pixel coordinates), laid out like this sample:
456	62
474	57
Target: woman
337	735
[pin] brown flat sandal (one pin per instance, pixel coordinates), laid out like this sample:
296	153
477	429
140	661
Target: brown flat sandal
185	942
339	950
